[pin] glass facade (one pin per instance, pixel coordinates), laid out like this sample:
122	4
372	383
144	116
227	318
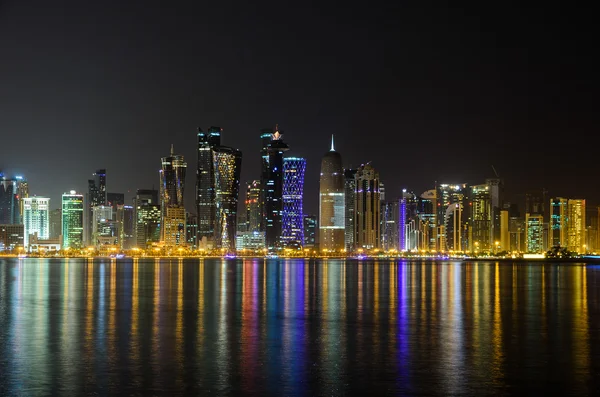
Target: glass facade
332	234
227	165
367	206
558	222
534	233
292	230
349	196
310	231
481	217
273	192
576	226
72	220
172	189
253	206
205	185
35	218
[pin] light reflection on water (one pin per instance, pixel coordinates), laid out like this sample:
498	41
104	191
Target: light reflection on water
296	327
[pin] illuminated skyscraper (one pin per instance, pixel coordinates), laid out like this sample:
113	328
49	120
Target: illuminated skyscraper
265	140
453	227
72	220
292	228
390	217
558	222
310	231
534	224
96	196
504	230
172	188
576	226
367	205
253	206
126	222
105	230
35	218
349	218
10	213
481	218
147	217
205	185
428	216
191	227
331	202
451	194
227	168
273	191
55	224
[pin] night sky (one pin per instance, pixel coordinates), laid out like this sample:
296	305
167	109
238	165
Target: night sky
426	94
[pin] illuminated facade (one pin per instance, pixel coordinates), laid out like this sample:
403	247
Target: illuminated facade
126	222
390	225
481	218
227	164
447	194
205	185
349	218
310	231
11	237
367	205
147	224
331	202
10	200
253	206
96	196
35	218
191	228
105	230
292	227
453	227
72	220
273	191
428	217
558	222
576	226
172	189
534	233
504	230
266	135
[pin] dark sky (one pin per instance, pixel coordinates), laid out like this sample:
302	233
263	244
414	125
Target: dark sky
425	93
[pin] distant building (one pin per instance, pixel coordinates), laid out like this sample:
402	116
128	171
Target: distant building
105	229
310	231
292	228
273	191
331	202
205	185
576	226
55	224
481	217
558	222
253	206
349	211
174	232
447	194
367	205
504	230
390	218
251	241
427	214
72	220
126	222
191	228
147	217
534	225
36	219
115	199
10	210
96	196
172	189
11	237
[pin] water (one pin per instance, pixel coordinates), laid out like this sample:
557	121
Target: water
297	327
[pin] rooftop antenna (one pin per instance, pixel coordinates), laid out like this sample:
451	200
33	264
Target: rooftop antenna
171	150
497	176
332	148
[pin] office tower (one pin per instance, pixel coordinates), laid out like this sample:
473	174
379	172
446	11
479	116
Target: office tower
292	223
558	222
115	199
453	227
35	219
310	231
172	188
265	140
504	230
446	195
227	169
534	224
105	230
96	196
481	218
367	205
535	202
148	218
390	218
22	192
409	224
205	185
576	226
126	222
331	202
252	241
242	221
72	220
349	218
274	191
428	216
55	226
191	228
496	193
11	237
253	206
10	213
146	196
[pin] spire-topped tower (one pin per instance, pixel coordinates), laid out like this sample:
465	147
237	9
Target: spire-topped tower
331	202
332	147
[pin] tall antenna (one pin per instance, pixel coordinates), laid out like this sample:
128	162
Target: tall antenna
332	148
497	176
171	150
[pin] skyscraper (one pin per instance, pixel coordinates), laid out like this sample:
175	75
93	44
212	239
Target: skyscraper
292	229
35	219
227	169
253	206
481	218
558	222
126	224
576	226
147	217
96	196
205	185
310	231
10	207
446	195
172	187
105	230
274	191
367	205
115	199
72	220
331	202
349	195
534	224
428	217
55	232
266	135
390	217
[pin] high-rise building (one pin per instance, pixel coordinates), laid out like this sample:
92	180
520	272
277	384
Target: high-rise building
446	195
253	206
453	227
534	224
367	205
227	168
126	222
349	218
390	218
558	222
576	226
332	231
481	218
115	199
55	224
105	230
191	228
428	218
504	230
535	202
496	194
10	212
147	218
273	189
205	185
35	219
72	220
172	188
292	227
96	196
11	237
310	231
266	135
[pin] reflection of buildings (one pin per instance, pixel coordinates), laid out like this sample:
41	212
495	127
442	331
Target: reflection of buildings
367	205
576	226
72	220
35	218
292	227
331	202
172	188
310	231
349	217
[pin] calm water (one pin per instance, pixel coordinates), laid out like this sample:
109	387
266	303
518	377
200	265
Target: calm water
297	328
